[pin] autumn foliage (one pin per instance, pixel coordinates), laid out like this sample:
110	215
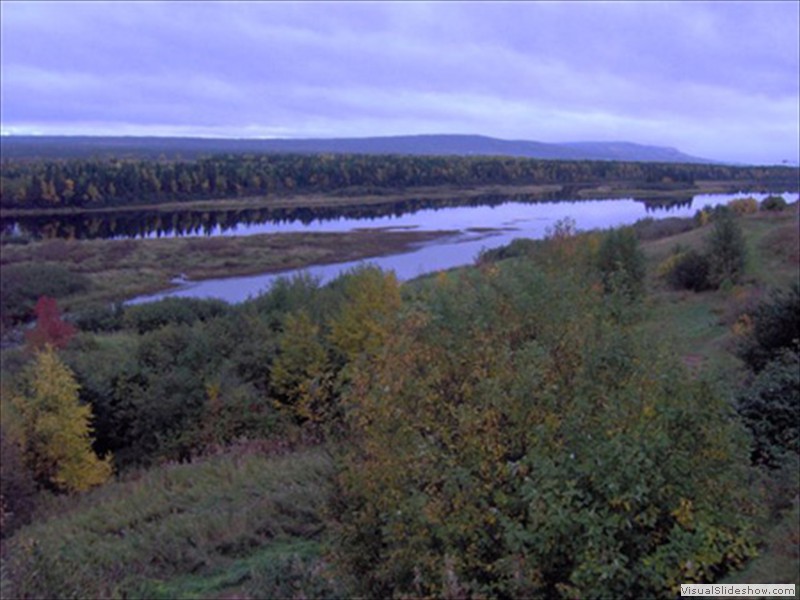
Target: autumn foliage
506	431
50	328
55	428
514	439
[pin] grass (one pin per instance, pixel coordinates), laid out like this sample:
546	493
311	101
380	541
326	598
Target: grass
703	328
702	325
122	269
779	561
267	572
234	521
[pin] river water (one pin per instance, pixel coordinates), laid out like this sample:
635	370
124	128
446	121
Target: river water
475	228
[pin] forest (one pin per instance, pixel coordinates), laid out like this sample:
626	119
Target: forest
97	183
524	427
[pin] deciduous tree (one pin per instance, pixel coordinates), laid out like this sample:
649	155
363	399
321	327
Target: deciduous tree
50	328
514	439
55	427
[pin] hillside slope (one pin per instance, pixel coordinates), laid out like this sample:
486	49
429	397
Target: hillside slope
153	147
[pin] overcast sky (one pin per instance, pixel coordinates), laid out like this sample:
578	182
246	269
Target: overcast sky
719	80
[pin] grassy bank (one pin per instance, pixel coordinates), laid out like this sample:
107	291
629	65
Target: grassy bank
706	328
242	522
703	325
117	270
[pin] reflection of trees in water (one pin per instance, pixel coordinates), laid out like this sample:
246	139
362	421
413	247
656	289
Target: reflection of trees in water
665	204
142	223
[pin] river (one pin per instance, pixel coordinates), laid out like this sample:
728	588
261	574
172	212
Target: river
477	228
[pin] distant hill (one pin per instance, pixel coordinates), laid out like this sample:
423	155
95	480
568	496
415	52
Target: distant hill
462	145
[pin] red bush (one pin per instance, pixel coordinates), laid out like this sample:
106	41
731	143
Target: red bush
50	328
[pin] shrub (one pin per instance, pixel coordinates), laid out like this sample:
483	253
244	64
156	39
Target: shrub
50	328
775	203
302	376
776	328
178	311
703	216
17	486
98	319
621	262
23	284
744	206
687	271
726	250
517	247
770	408
654	229
56	428
512	440
742	302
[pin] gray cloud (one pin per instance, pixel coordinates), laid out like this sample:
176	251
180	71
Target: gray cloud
717	79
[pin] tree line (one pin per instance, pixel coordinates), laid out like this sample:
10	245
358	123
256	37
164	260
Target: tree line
88	183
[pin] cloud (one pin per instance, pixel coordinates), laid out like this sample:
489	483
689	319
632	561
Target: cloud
715	78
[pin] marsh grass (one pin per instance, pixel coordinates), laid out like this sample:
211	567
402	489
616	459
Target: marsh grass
118	270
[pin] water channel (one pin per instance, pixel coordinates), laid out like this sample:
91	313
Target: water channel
474	228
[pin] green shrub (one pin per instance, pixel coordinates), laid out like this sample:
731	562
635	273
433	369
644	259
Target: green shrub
622	263
96	319
770	407
774	203
688	271
177	311
776	328
655	229
517	247
23	284
514	440
726	251
17	486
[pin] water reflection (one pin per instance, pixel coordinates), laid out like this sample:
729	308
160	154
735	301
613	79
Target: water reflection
480	228
183	223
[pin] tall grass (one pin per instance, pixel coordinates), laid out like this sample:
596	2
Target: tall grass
228	520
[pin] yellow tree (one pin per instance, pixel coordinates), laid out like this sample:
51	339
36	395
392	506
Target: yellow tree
372	301
55	428
302	375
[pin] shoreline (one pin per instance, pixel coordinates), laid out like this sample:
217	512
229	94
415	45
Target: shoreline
333	200
119	270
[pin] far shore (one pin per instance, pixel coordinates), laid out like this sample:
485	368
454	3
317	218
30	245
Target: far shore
389	196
